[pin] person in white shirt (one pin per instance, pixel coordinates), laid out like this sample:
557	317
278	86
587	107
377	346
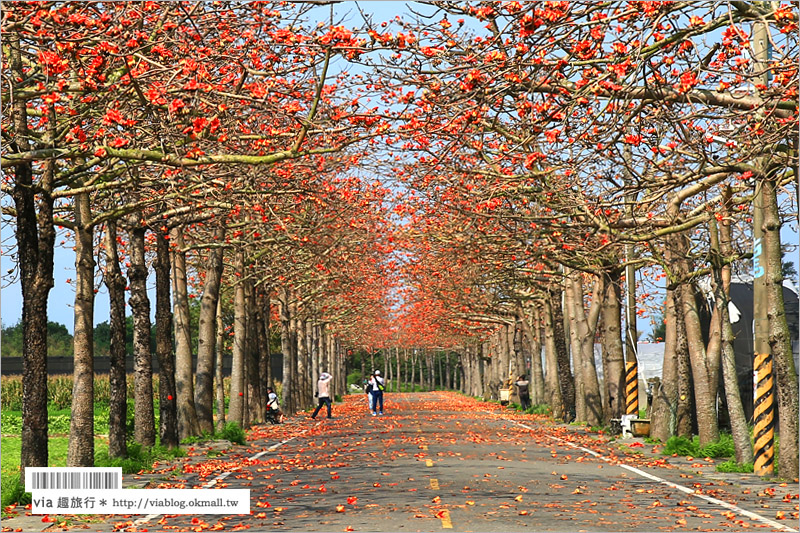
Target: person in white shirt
376	399
323	394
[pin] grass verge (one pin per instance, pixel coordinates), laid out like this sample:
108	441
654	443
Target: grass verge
139	457
11	486
732	466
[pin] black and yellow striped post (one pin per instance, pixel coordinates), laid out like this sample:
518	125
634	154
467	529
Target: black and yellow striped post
631	388
764	415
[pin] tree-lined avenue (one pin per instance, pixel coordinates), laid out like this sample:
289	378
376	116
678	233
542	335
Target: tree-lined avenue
458	195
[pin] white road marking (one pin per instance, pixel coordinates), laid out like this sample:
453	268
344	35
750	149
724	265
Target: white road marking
687	490
222	476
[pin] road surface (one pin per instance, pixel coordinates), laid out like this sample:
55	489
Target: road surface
441	461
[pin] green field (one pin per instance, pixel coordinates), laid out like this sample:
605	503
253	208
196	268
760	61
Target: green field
9	462
57	452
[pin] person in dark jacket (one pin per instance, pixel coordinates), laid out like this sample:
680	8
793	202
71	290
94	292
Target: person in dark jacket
523	391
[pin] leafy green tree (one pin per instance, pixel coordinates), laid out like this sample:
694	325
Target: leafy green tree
102	337
59	340
11	345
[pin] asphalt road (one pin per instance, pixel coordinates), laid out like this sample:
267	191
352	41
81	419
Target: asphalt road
442	461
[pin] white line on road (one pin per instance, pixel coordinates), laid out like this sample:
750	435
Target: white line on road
222	476
687	490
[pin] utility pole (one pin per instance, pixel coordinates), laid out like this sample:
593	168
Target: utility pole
631	365
630	270
763	399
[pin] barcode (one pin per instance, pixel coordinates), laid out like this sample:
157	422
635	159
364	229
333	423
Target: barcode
72	478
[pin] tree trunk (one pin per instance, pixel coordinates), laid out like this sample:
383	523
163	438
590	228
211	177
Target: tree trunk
612	345
431	370
466	364
219	351
500	360
246	364
448	371
508	372
300	378
236	405
720	249
421	362
264	356
305	389
582	333
326	359
312	333
413	361
168	422
471	381
288	394
207	336
362	358
35	242
686	411
340	366
296	380
703	371
553	381
565	377
313	360
188	424
144	431
35	235
605	397
491	377
254	402
389	370
397	382
664	416
518	351
81	427
779	339
118	386
481	372
693	373
386	365
530	333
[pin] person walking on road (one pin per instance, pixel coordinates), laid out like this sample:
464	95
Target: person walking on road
323	394
523	390
376	383
368	390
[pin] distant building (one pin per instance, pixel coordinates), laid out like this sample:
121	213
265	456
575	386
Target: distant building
650	356
742	307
